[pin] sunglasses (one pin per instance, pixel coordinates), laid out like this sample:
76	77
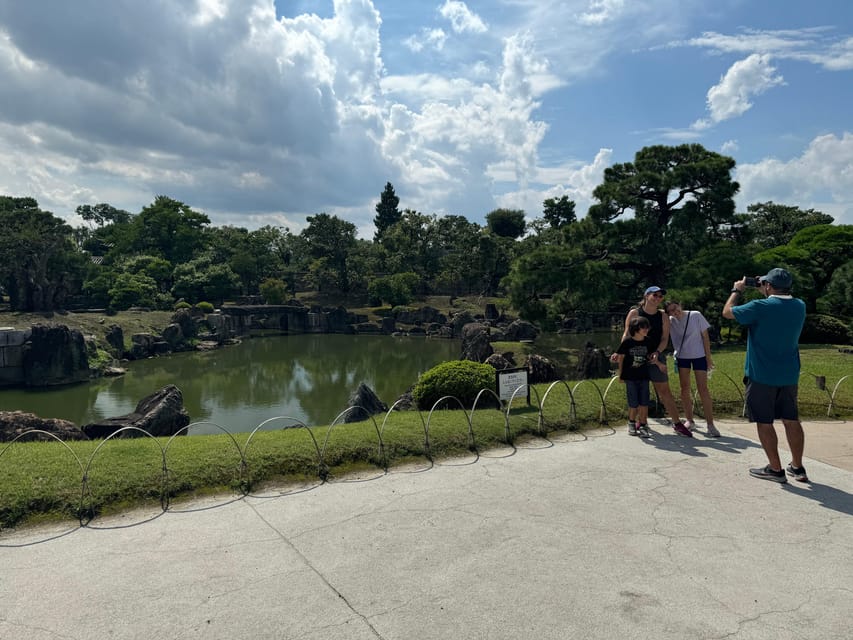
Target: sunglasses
657	295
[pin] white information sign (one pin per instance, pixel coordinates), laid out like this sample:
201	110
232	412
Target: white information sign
511	379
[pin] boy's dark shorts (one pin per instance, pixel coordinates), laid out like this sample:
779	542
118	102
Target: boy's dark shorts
765	403
637	392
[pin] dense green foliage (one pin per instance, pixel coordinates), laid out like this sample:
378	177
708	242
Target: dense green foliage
666	218
821	329
462	379
273	291
387	213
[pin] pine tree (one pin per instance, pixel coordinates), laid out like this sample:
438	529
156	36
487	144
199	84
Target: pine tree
387	213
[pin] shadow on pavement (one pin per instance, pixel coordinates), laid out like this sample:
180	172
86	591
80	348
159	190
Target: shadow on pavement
827	496
663	437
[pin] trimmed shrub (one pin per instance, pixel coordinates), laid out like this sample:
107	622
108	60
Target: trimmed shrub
273	291
462	379
183	305
204	307
822	329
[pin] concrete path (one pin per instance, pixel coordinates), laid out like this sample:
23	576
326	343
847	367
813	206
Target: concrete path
596	536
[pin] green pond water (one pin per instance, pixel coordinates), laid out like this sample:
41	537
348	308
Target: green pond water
306	377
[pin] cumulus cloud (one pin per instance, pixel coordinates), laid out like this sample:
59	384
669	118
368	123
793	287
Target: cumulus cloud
461	18
820	178
576	180
729	147
231	110
744	79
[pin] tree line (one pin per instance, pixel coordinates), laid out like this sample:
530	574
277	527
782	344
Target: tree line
667	218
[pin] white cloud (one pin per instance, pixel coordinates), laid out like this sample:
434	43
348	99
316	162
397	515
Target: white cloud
433	38
816	45
744	79
575	180
729	147
461	18
821	178
601	11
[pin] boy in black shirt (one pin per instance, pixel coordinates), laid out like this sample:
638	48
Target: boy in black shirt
633	355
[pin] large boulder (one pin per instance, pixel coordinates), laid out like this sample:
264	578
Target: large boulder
115	338
160	414
593	363
185	319
54	355
521	330
498	361
475	342
367	404
14	423
459	320
540	369
422	315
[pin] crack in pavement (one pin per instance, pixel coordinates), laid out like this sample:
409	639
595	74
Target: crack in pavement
318	573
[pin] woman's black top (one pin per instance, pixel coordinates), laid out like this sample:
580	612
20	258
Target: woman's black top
655	326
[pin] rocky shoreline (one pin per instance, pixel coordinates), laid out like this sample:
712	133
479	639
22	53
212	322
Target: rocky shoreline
55	354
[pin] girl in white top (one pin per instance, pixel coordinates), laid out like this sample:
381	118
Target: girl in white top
688	331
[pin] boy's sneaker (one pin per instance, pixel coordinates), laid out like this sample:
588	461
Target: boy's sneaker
690	425
711	432
681	430
643	431
797	473
632	429
766	473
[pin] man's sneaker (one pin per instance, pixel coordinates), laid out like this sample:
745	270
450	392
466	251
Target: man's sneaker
681	430
643	431
766	473
632	429
711	432
797	473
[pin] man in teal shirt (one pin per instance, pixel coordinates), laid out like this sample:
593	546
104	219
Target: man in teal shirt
772	368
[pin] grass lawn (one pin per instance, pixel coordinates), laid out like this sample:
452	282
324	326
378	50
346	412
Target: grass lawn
44	480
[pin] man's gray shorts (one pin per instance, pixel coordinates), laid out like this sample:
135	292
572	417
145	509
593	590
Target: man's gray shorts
765	403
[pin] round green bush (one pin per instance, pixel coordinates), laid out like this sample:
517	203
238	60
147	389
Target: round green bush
823	329
462	379
182	305
204	307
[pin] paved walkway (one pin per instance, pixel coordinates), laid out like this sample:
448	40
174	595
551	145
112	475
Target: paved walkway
596	536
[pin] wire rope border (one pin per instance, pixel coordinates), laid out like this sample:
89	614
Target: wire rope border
322	471
427	451
541	402
185	430
472	445
832	396
87	489
335	422
64	444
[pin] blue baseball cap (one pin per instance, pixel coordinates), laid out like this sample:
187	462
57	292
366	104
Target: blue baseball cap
778	278
655	290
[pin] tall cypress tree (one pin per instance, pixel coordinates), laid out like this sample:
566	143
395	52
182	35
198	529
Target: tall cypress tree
387	212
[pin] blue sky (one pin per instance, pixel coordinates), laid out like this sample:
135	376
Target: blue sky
264	112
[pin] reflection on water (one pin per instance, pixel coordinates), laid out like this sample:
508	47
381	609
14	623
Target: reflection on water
307	377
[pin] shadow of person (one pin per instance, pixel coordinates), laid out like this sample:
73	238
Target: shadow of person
829	497
663	437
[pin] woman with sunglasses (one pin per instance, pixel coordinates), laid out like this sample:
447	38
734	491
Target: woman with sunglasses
692	350
659	335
